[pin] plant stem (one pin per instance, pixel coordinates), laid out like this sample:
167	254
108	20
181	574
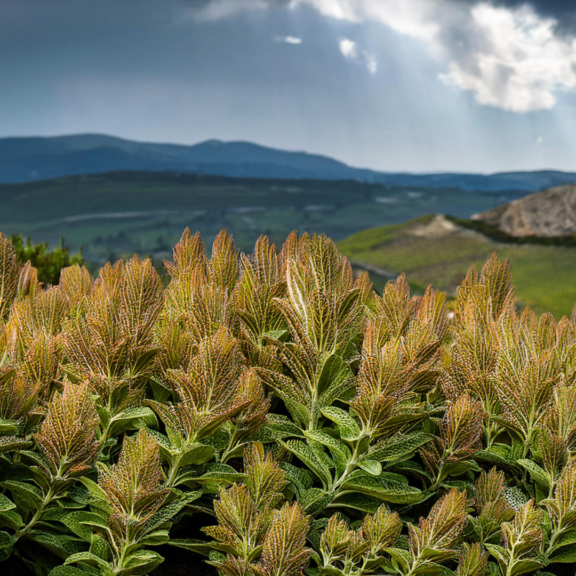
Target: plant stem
37	515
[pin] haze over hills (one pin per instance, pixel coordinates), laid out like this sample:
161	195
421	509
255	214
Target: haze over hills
27	159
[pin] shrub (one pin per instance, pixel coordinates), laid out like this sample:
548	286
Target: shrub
297	420
48	263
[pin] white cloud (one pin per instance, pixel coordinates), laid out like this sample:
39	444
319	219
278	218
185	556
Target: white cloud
510	58
219	9
288	39
520	64
371	62
350	51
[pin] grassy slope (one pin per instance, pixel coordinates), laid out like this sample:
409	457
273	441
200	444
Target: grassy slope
544	276
166	203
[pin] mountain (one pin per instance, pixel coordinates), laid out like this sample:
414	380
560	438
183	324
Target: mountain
27	159
549	213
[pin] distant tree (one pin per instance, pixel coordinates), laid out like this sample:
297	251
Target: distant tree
48	262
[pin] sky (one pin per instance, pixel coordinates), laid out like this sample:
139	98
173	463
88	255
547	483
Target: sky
393	85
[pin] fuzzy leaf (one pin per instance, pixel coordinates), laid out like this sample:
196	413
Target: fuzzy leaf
309	457
373	467
349	430
386	490
536	472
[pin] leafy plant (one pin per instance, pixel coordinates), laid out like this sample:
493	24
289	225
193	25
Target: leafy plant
300	422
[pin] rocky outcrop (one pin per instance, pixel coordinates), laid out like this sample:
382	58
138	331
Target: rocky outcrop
548	213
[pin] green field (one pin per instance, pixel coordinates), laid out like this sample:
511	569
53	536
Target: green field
117	214
433	251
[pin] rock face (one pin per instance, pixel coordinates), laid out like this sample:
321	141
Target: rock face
548	213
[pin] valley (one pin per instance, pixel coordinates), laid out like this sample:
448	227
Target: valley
118	214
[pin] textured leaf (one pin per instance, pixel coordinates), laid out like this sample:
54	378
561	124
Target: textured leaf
310	458
399	447
87	558
282	427
386	490
536	472
27	492
360	502
349	430
315	500
6	504
566	555
80	523
373	467
197	546
68	571
6	540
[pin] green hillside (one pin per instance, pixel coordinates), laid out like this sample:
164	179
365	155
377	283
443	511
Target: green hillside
433	250
121	213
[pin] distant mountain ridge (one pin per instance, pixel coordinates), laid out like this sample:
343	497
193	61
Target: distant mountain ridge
27	159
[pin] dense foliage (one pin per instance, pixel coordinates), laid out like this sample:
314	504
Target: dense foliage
48	263
310	424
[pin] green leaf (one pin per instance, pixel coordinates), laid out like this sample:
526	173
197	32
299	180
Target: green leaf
334	372
386	490
371	466
53	542
93	488
197	454
526	566
360	502
315	500
281	335
6	504
13	443
310	458
341	454
81	523
28	493
87	558
219	474
402	558
11	519
565	555
335	445
500	553
399	447
300	477
68	571
167	512
281	427
8	427
100	547
141	562
497	455
6	540
537	474
197	546
157	538
349	430
137	417
143	360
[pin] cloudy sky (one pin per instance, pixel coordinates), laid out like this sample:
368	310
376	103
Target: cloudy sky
419	85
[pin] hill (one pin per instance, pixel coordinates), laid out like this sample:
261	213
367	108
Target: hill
549	213
27	159
434	250
126	212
